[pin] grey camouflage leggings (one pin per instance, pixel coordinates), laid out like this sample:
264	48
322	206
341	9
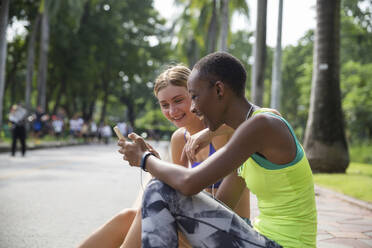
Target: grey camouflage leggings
204	221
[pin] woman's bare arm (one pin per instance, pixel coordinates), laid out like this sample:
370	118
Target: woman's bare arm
262	133
214	168
177	144
201	139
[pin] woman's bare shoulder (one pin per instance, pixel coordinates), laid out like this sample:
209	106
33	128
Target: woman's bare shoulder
179	135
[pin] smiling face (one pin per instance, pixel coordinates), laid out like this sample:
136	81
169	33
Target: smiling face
175	105
206	101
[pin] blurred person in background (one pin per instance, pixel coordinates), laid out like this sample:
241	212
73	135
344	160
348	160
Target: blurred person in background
76	123
93	130
85	131
39	119
17	118
123	128
57	124
106	133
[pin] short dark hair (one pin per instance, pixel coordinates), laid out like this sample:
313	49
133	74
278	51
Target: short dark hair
224	67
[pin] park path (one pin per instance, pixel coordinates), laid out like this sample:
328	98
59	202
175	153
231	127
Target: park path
342	221
56	197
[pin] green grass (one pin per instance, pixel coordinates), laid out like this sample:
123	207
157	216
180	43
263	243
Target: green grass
357	182
361	152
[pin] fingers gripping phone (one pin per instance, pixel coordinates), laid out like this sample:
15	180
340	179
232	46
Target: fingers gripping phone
118	133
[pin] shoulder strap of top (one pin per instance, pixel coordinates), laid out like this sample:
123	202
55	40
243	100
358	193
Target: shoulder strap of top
211	149
269	165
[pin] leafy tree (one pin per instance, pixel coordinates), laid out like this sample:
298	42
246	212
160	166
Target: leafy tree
123	60
68	62
241	48
101	54
15	72
356	31
296	82
357	100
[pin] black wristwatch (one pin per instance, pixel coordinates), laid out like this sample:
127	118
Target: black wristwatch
145	155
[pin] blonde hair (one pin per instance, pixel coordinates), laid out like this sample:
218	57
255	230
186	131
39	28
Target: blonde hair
175	75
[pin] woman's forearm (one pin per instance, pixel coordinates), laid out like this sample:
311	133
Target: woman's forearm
193	180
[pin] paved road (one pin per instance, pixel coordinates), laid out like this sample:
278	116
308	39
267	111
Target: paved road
56	197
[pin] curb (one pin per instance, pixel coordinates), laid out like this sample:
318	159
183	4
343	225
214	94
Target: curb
7	149
349	199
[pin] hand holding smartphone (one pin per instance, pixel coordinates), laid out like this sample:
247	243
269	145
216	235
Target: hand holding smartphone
118	133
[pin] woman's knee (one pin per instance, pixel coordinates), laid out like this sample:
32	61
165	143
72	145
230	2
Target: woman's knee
155	186
156	195
127	215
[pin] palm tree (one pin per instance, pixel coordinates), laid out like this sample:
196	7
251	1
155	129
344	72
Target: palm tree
202	17
224	25
259	54
4	12
211	39
227	8
325	141
277	62
190	29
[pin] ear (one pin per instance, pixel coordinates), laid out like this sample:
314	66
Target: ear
220	88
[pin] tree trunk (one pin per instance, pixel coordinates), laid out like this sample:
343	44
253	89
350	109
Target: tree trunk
131	114
193	53
58	100
224	25
212	31
92	106
60	93
31	61
4	12
259	53
325	141
105	98
43	58
128	101
277	63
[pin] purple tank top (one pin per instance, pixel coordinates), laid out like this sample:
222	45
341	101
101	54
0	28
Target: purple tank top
211	151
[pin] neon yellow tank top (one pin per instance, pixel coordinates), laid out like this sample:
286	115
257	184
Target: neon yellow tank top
285	195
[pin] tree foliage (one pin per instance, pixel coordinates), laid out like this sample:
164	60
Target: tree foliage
104	56
101	54
354	75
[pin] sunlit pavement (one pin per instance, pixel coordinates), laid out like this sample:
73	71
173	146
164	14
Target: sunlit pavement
56	197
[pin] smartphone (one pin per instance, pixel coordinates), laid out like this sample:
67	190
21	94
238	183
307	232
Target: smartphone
118	133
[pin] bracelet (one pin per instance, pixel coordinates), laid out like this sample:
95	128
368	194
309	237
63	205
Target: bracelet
144	158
